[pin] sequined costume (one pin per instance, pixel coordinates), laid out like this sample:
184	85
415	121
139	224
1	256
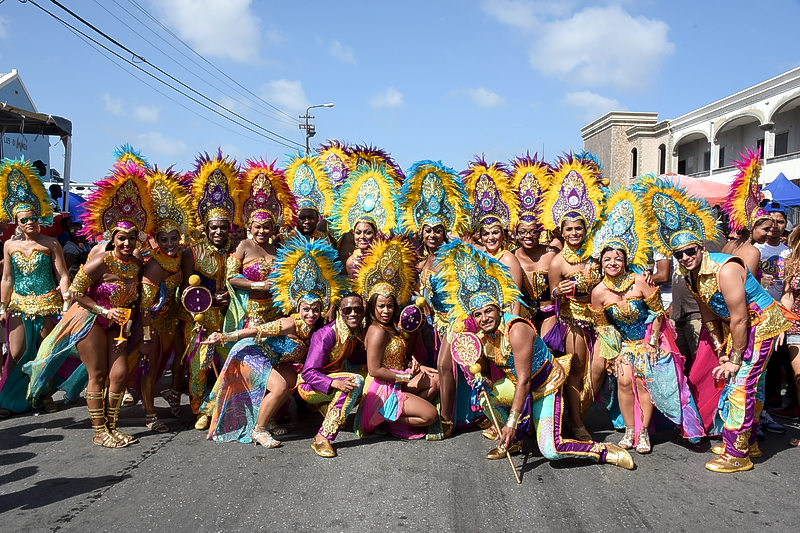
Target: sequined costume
33	300
335	352
254	311
242	382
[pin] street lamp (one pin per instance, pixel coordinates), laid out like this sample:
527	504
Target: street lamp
310	128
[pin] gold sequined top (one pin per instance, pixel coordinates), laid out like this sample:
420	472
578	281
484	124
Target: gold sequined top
34	292
394	355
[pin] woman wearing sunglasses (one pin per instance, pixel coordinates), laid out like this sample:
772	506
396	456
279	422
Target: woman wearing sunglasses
34	269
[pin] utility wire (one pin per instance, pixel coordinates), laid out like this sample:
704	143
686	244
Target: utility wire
195	52
267	113
176	89
138	57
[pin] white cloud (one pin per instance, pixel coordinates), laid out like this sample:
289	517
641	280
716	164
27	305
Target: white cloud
113	105
593	105
3	28
342	52
602	46
390	97
146	113
286	94
227	29
512	12
157	143
484	97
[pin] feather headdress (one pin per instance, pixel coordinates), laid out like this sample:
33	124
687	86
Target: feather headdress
121	202
576	193
472	280
21	189
370	195
530	178
433	195
126	152
306	272
623	226
265	194
743	203
490	193
309	183
335	158
387	268
361	154
678	218
172	205
215	186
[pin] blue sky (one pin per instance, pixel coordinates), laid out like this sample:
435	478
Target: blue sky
424	80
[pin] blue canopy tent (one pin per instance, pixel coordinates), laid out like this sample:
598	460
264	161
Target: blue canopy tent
75	208
784	191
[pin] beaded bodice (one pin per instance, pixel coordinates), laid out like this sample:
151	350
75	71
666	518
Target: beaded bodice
629	318
33	274
540	284
394	354
584	283
209	264
259	269
286	350
497	347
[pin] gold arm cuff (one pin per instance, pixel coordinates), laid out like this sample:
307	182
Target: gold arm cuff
513	419
270	329
258	285
100	310
149	295
402	378
81	283
735	357
147	334
230	336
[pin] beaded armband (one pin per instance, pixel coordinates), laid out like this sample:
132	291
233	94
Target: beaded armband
149	295
653	302
233	267
81	283
270	329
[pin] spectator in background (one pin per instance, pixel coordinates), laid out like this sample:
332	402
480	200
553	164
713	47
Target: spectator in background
76	249
791	299
56	193
66	225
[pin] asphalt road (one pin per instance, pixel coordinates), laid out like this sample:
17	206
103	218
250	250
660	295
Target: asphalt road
52	478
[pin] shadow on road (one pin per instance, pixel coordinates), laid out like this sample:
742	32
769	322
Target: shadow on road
49	491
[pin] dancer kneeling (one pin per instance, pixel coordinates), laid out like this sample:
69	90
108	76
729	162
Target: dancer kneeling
399	397
248	393
479	287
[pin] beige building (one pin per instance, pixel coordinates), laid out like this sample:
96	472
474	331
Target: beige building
703	143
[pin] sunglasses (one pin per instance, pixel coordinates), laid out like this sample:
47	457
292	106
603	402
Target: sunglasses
527	233
351	310
25	220
689	252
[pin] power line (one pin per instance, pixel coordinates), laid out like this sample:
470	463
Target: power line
138	57
267	113
176	89
165	28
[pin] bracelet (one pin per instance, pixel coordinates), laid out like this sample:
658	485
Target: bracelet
100	310
65	306
258	285
513	419
146	334
230	336
653	341
735	357
3	307
402	378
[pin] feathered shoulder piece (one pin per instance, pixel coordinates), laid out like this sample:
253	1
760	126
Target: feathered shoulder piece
126	152
21	189
264	194
309	183
490	192
434	195
387	268
335	158
623	227
172	205
307	272
577	192
215	186
370	195
363	154
121	202
743	203
677	218
473	280
530	178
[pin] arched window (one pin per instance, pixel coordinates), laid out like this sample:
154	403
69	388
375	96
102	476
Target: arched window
662	159
635	165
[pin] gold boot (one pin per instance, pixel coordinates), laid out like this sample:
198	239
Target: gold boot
726	464
619	457
323	448
498	453
754	451
112	415
102	437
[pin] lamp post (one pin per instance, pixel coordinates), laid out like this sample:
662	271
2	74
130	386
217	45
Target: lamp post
310	128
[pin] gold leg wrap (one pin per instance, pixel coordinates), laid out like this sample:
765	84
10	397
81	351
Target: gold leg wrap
112	415
102	436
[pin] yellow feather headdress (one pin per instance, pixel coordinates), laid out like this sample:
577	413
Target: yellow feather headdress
172	205
369	195
306	272
677	218
126	152
743	203
493	199
21	189
371	155
387	268
336	159
310	183
265	193
214	188
472	280
433	194
623	226
530	178
575	192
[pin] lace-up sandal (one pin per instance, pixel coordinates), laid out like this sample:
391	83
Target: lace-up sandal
112	415
276	430
643	446
102	437
173	398
626	443
154	424
262	437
